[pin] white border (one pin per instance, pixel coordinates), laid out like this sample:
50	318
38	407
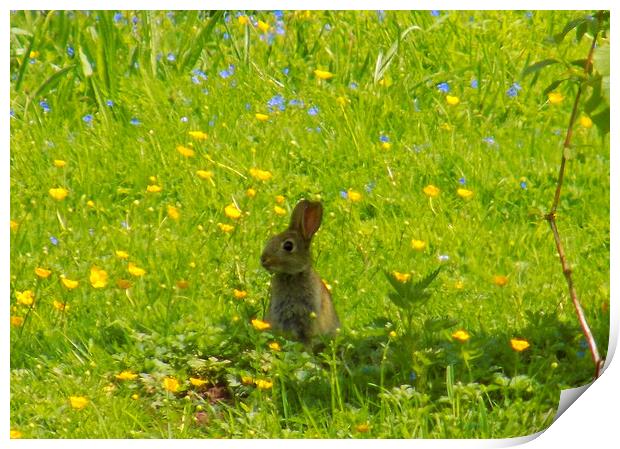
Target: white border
590	421
315	5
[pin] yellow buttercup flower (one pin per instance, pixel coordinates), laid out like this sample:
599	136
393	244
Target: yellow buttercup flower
25	298
585	121
323	74
59	163
452	100
69	283
98	277
135	270
464	193
243	20
42	272
250	193
17	321
232	211
386	145
303	14
197	382
260	325
78	402
418	245
154	188
14	225
261	175
279	211
239	294
461	336
185	151
205	174
90	203
263	384
126	375
386	82
354	196
225	227
15	434
263	26
519	344
60	306
198	135
58	193
275	346
280	199
555	97
431	191
393	334
500	280
362	428
171	384
173	213
121	254
401	277
261	117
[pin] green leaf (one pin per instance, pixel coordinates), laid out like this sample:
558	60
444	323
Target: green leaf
246	44
408	293
20	31
581	63
601	120
600	62
595	99
450	381
87	68
439	323
197	45
383	62
398	300
51	81
24	64
558	38
552	86
400	287
425	282
581	30
538	66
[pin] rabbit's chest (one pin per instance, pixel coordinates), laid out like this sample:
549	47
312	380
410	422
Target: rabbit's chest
294	306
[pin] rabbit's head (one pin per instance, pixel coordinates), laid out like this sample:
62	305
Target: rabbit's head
289	251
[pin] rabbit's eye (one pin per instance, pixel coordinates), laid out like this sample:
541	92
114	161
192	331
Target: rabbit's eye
288	246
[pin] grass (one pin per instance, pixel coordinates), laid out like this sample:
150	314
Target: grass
114	95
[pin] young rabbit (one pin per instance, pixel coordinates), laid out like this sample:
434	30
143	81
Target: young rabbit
301	305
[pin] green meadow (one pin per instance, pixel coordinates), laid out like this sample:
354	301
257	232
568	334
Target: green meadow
154	153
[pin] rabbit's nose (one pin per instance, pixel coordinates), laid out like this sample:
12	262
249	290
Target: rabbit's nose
266	261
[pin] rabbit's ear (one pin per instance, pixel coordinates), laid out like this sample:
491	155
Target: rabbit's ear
306	218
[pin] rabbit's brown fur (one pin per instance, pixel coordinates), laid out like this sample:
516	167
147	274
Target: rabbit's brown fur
301	305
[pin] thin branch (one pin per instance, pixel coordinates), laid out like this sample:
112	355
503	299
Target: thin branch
551	216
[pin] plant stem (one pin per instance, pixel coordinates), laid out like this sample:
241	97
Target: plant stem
551	216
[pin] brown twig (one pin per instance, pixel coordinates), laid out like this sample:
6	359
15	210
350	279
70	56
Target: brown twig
551	216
